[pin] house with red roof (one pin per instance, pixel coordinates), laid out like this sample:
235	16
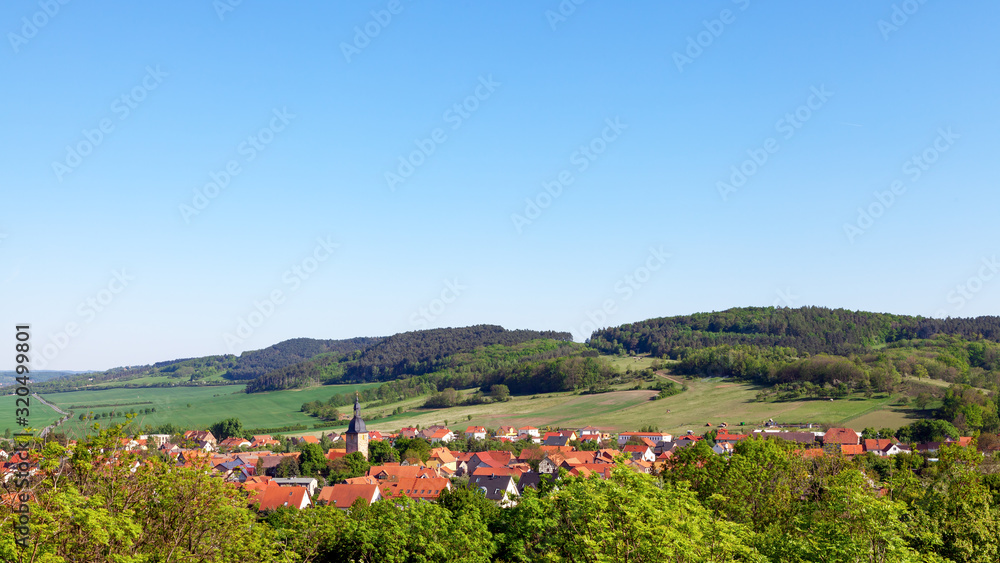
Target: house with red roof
344	496
851	450
477	432
723	435
274	497
416	488
529	431
443	457
841	436
395	472
201	437
643	453
264	440
441	435
234	442
333	454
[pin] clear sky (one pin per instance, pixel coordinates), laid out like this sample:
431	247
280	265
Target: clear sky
191	178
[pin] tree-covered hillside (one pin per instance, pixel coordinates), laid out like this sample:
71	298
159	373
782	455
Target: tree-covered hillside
256	363
424	351
408	354
810	330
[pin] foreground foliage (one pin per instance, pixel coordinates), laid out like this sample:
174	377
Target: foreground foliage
767	502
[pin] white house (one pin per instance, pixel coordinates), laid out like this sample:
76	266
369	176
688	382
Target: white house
477	432
655	437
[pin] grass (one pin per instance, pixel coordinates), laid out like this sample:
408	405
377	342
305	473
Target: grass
207	405
711	401
706	401
39	415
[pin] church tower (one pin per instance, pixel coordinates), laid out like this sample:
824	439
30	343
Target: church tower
357	435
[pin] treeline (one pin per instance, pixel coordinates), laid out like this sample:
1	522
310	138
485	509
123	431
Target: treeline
548	376
190	371
326	368
537	366
457	362
387	393
785	376
765	503
256	363
811	330
944	358
424	351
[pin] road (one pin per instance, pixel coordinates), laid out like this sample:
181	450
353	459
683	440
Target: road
49	428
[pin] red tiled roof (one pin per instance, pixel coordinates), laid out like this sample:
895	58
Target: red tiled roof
516	472
274	497
841	436
877	445
343	496
415	488
852	449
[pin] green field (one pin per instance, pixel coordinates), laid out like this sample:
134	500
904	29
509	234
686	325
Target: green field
207	405
707	401
39	415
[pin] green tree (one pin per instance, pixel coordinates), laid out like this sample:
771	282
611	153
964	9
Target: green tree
227	429
381	451
288	467
312	462
499	393
625	518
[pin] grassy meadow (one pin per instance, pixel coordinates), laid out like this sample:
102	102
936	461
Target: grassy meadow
197	407
707	401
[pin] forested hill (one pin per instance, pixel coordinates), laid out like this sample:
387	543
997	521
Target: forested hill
256	363
424	351
812	330
405	354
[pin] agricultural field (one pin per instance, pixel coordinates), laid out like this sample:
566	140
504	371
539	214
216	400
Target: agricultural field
39	417
197	407
707	401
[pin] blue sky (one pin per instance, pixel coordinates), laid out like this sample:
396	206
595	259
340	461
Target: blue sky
117	249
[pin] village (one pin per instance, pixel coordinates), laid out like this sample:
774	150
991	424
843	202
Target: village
502	476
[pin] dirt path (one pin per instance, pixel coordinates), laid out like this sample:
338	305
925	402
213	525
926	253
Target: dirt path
52	427
665	376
